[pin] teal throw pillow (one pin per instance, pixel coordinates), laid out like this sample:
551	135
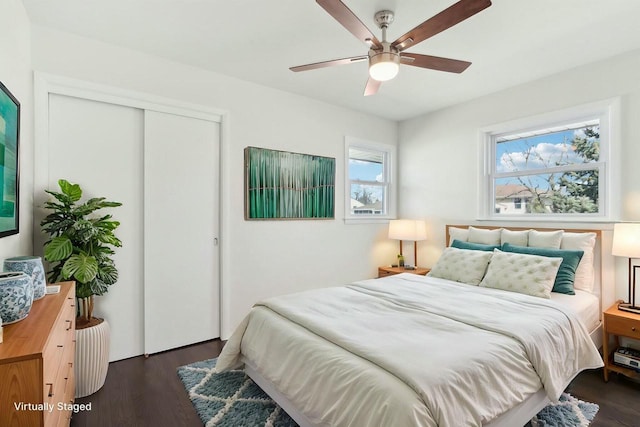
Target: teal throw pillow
473	246
567	271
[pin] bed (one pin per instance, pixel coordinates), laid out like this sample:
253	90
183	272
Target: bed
409	350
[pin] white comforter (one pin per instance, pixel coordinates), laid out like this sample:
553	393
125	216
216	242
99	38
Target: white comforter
427	351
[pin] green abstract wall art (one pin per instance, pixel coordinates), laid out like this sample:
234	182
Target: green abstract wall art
9	183
283	185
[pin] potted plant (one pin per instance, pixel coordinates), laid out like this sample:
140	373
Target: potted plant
80	248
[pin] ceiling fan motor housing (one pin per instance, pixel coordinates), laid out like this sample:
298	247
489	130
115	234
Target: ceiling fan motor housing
384	65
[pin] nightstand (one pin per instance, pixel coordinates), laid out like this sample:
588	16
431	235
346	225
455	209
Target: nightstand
390	271
619	324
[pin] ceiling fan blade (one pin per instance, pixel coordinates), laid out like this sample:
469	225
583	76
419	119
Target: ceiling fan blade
350	21
434	62
447	18
372	87
331	63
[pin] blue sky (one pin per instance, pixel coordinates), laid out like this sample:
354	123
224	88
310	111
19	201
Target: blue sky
549	146
544	150
368	171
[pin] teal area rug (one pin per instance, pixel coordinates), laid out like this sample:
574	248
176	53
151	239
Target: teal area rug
232	399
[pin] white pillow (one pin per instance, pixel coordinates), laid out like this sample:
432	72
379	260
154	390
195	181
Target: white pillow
585	272
484	236
527	274
456	233
516	238
545	239
462	265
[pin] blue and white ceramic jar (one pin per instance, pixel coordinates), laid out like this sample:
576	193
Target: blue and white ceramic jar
16	296
32	266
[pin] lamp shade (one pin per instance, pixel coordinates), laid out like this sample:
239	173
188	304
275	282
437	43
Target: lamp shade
626	240
407	229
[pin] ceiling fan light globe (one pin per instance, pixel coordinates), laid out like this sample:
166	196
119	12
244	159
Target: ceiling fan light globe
384	66
383	71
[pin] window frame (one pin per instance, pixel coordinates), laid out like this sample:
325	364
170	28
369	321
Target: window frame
607	112
389	171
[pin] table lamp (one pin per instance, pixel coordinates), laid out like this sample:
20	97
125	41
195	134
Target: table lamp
408	229
626	243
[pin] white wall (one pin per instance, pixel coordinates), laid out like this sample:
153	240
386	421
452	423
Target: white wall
438	152
259	259
15	73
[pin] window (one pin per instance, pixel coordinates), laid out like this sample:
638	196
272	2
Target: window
369	186
555	168
517	202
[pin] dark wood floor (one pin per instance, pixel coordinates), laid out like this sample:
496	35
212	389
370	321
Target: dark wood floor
148	392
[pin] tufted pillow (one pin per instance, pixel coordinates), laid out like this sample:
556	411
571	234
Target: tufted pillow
545	239
461	234
473	246
585	272
518	238
462	265
563	283
527	274
484	236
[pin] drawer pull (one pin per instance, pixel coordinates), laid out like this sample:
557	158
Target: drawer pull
60	346
70	323
50	394
633	328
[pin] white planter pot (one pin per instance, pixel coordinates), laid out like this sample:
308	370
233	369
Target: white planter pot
92	358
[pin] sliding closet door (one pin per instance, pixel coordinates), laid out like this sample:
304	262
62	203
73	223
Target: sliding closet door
99	146
181	169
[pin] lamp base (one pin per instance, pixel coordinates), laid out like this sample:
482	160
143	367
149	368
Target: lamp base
628	307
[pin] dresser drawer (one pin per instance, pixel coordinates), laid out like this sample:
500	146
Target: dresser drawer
622	326
52	359
62	335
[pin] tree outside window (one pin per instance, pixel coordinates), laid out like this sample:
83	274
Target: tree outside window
548	171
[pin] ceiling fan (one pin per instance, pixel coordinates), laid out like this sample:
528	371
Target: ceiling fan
384	57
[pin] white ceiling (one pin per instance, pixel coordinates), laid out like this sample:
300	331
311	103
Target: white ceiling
511	42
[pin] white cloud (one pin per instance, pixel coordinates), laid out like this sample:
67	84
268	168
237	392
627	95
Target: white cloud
538	156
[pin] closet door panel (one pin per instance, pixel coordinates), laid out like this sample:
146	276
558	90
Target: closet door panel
181	297
99	146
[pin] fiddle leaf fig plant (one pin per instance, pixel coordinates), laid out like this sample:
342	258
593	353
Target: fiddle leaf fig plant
81	243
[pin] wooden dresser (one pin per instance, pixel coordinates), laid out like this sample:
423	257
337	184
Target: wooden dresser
36	363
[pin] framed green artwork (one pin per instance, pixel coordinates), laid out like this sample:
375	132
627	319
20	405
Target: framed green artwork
283	185
9	177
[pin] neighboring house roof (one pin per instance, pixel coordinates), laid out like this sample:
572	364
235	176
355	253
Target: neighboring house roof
356	204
